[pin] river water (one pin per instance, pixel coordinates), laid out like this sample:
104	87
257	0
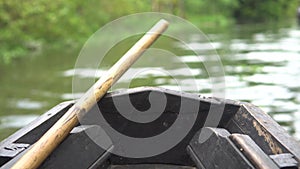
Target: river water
261	64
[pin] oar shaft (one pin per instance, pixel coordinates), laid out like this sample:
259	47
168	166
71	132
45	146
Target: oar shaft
56	134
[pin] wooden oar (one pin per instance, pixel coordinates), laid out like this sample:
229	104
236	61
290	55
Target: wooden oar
56	134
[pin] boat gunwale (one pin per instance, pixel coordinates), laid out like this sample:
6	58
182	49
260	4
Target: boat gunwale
264	121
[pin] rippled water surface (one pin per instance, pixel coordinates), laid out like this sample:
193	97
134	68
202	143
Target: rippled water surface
261	64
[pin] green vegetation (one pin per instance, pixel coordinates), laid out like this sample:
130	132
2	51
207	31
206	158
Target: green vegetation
28	25
212	12
260	11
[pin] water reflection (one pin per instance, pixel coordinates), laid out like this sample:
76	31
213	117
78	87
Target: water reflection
27	104
143	72
16	121
271	68
261	67
197	46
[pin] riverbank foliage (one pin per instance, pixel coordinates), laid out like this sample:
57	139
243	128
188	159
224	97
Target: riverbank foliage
28	25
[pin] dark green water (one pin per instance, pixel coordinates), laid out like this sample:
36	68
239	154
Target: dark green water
261	63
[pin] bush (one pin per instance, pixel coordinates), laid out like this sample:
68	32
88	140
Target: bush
267	10
26	25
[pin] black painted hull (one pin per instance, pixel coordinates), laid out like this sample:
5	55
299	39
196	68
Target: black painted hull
246	137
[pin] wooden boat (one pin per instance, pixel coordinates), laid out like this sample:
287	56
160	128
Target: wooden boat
246	137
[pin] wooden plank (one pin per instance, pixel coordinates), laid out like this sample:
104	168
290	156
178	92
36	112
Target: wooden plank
285	160
217	151
77	151
252	152
265	132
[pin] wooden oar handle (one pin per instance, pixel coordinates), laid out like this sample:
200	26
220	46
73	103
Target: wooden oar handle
34	157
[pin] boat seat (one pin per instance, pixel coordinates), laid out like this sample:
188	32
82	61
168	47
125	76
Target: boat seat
217	148
76	151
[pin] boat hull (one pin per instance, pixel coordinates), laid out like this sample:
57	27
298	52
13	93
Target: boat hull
242	133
